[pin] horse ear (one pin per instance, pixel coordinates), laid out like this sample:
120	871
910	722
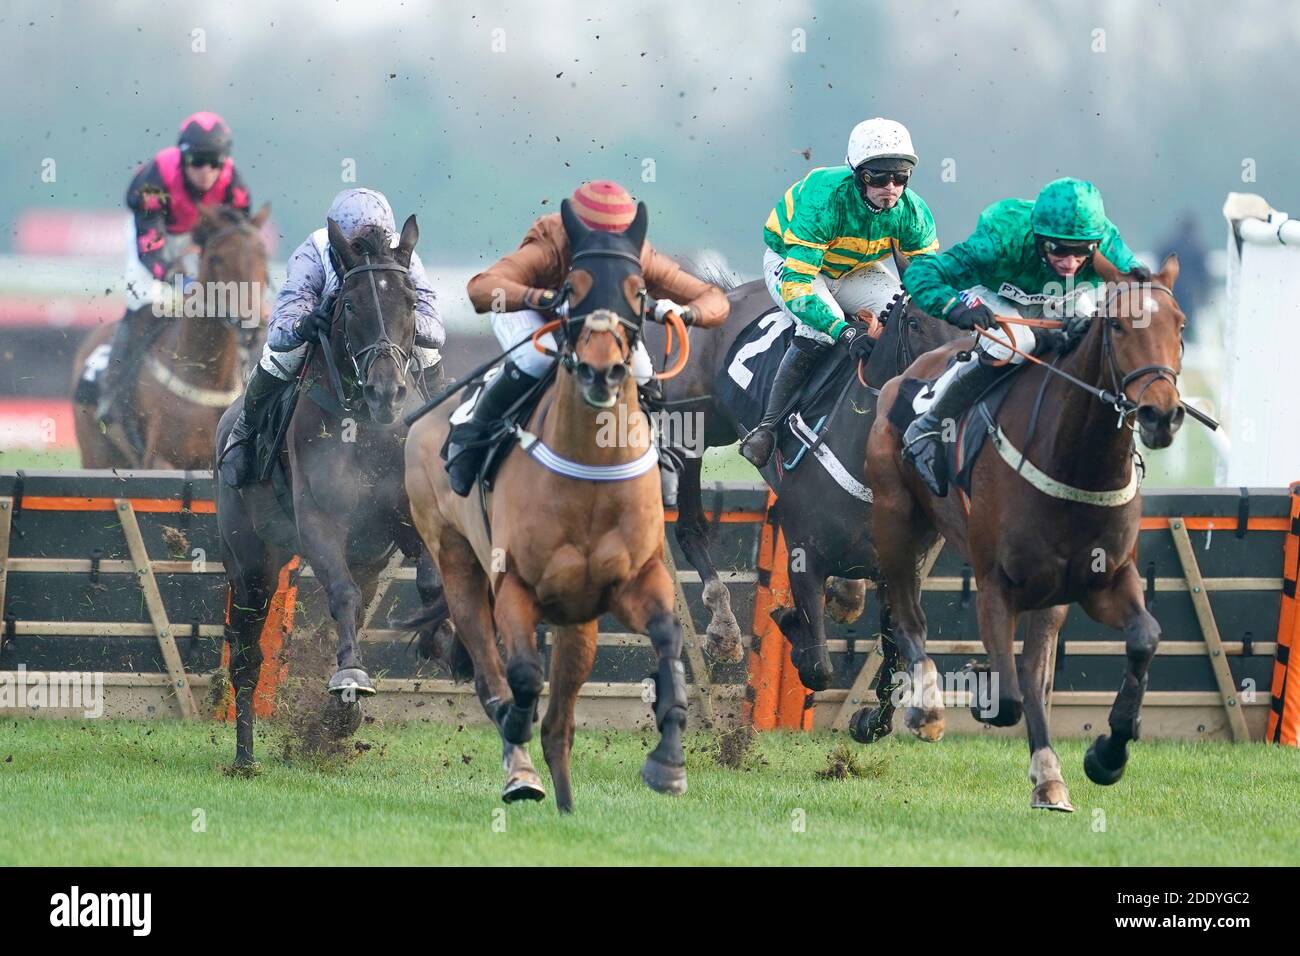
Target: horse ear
574	227
410	236
1168	273
636	232
340	245
259	218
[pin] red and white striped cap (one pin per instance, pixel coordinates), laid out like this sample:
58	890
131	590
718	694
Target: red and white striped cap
604	204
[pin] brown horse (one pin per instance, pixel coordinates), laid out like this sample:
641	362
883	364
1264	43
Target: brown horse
572	529
191	372
1053	526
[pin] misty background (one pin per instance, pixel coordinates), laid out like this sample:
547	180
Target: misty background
478	142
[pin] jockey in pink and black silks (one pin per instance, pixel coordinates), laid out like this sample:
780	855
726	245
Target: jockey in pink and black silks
164	197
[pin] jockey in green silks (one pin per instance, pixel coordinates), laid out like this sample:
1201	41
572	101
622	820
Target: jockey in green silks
827	239
1028	259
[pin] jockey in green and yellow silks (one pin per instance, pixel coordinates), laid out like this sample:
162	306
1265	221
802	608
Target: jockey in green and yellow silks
827	239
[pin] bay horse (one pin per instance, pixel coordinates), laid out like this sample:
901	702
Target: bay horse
192	370
342	463
826	519
573	528
1053	519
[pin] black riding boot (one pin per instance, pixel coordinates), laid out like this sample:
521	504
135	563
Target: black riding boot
238	459
923	440
799	360
129	339
464	452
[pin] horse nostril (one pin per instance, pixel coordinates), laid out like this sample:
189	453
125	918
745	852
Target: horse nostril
1151	418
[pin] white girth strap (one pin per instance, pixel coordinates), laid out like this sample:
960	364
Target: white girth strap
551	461
207	397
1048	485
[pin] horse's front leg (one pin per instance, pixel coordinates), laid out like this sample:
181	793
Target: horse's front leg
804	625
722	640
997	619
645	605
1041	629
324	543
1122	606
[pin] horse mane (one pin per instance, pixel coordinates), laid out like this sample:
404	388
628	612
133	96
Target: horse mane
713	269
371	241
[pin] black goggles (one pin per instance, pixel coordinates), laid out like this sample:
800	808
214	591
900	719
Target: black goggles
1063	247
896	176
205	159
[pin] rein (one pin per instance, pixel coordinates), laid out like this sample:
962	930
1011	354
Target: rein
1114	397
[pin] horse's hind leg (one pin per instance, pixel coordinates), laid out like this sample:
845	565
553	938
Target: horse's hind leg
469	599
722	638
1122	606
645	605
1041	628
572	658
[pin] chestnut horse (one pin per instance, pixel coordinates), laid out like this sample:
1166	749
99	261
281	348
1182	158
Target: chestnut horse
192	371
1053	519
573	528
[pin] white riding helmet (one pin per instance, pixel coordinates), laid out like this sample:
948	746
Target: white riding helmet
879	138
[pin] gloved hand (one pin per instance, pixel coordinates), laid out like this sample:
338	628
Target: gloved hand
968	316
541	300
315	325
664	306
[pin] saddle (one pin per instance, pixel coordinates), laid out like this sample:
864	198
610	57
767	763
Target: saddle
744	381
504	435
978	422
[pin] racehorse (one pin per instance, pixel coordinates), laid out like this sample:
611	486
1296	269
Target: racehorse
1052	520
342	468
572	528
824	507
193	366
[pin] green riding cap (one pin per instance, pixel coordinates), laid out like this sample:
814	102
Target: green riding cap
1069	209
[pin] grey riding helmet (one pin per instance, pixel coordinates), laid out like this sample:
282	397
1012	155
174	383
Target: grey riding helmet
355	209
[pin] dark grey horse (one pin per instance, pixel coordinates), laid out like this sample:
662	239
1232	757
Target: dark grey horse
344	447
824	505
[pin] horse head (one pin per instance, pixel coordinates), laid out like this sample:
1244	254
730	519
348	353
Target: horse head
1143	343
374	318
604	299
232	253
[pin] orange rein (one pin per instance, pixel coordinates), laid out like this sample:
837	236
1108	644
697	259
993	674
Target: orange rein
1004	321
674	321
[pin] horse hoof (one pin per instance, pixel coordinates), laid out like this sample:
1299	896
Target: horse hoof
815	674
925	724
351	679
663	779
244	769
866	726
341	718
523	787
1096	769
1052	795
845	599
724	648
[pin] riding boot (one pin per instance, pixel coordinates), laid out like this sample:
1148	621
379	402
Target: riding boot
432	380
124	356
467	445
651	396
923	440
238	459
799	360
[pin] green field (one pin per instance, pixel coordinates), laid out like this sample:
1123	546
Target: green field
105	792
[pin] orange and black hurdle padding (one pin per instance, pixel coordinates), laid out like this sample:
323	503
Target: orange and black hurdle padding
278	623
775	698
1284	712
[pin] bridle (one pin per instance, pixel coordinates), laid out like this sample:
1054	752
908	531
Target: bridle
363	359
244	225
1124	406
574	331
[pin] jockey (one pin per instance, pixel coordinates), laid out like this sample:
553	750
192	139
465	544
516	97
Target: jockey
1038	256
525	284
826	242
164	198
303	314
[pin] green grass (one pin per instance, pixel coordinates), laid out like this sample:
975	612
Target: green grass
61	459
115	792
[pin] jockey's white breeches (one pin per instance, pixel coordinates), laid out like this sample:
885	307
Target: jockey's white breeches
511	328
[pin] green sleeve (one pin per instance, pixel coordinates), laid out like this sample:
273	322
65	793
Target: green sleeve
920	237
810	232
1115	249
935	281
